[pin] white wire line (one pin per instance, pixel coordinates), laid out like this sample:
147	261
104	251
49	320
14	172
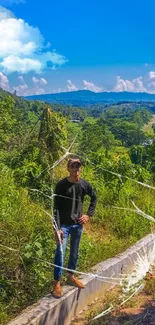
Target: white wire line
121	176
136	290
53	195
145	215
57	162
107	311
58	235
136	210
93	275
35	190
71	145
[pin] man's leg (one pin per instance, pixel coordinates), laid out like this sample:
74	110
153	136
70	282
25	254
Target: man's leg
75	236
59	259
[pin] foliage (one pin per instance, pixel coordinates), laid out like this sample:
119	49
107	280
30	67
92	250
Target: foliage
26	236
52	134
74	114
100	136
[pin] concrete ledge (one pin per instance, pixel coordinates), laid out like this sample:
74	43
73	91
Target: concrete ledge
49	311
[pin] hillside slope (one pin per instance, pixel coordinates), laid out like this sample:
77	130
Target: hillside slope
87	97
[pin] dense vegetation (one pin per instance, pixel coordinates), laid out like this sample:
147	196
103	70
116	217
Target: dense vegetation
33	137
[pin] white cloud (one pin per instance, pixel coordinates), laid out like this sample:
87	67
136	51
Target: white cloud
22	46
71	86
139	86
21	79
136	85
123	85
5	13
90	86
152	75
23	90
35	80
4	82
151	87
13	63
42	81
18	38
151	82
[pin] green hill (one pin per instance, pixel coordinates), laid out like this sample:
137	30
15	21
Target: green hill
86	98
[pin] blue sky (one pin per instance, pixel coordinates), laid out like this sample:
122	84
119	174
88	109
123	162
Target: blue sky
102	45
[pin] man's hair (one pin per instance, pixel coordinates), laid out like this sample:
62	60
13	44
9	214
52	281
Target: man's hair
71	161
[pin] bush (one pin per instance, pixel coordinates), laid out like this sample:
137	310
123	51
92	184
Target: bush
26	239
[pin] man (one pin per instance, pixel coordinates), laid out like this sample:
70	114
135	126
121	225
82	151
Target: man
70	193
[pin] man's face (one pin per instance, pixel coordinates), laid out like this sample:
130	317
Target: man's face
75	169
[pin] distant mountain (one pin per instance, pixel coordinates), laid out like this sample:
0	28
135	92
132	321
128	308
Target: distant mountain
86	97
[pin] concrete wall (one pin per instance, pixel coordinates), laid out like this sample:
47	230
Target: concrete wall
49	311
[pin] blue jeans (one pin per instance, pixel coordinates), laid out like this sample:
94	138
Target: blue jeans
75	232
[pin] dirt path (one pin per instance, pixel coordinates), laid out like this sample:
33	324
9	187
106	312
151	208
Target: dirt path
148	126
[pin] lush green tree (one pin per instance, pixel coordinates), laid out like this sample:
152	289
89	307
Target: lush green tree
139	155
7	121
127	132
32	164
96	135
108	139
52	134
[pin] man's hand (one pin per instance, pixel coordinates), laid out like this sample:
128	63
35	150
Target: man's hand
59	236
83	219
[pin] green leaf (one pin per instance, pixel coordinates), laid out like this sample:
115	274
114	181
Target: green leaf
37	244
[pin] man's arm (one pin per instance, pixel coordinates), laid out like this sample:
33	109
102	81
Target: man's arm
85	217
93	200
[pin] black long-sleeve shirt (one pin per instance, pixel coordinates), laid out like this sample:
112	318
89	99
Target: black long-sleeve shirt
68	201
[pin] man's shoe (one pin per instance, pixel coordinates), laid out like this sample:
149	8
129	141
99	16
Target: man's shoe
57	291
75	282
